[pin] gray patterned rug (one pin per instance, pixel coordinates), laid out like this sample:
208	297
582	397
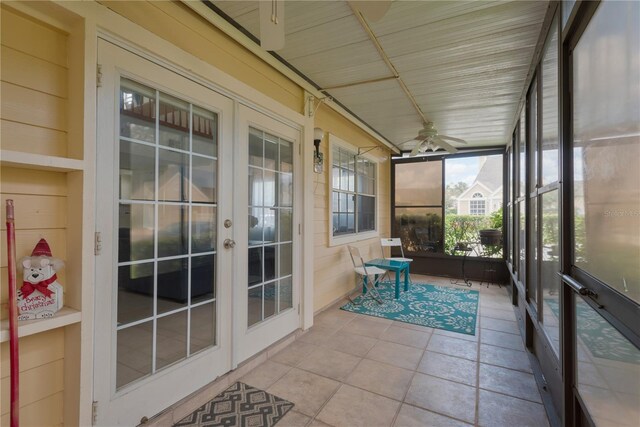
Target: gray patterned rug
239	406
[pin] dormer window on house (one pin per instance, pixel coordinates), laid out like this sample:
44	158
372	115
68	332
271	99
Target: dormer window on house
477	204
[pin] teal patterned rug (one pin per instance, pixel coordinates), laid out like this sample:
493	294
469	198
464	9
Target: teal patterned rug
438	307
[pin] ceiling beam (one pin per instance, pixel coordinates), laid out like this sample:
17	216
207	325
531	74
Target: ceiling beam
388	62
362	82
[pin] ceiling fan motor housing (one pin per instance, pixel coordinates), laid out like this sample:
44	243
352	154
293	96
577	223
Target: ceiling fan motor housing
427	132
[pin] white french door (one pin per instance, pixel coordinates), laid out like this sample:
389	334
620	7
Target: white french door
163	300
268	194
189	183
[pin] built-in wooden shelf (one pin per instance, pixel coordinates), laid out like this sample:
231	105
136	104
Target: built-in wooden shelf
66	316
19	159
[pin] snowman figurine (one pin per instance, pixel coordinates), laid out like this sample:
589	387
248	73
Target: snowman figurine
40	295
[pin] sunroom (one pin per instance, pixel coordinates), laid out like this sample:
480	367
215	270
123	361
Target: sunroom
205	168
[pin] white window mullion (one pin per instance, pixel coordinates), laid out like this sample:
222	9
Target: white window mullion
155	238
189	229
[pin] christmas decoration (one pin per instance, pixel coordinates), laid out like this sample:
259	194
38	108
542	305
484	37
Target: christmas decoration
40	295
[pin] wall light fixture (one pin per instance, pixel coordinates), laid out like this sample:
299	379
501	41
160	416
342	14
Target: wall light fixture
318	159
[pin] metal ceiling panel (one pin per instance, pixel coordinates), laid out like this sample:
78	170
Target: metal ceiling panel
452	31
302	15
345	64
410	14
464	62
323	37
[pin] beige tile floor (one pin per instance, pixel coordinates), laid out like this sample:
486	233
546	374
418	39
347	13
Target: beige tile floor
356	370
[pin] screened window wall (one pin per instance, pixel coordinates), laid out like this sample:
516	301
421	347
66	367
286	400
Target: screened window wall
606	212
450	204
573	212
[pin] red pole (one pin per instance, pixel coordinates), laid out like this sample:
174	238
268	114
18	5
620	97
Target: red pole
13	315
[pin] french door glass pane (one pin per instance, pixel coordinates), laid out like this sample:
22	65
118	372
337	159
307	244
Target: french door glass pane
608	370
270	299
203	278
271	152
137	111
202	336
203	179
173	176
285	225
173	116
166	231
286	156
137	171
203	229
134	356
285	299
171	338
270	254
173	230
285	260
135	232
254	306
204	132
606	140
135	292
173	284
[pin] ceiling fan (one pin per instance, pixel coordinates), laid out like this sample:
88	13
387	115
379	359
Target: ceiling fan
271	14
428	138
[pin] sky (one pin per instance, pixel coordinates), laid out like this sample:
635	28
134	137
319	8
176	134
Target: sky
465	169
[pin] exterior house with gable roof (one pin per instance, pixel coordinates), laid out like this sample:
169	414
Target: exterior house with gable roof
484	196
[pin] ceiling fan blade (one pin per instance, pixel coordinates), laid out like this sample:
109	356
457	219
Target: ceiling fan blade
272	24
416	149
417	138
450	138
372	10
450	148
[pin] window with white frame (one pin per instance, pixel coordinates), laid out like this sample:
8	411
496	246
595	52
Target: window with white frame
477	204
353	193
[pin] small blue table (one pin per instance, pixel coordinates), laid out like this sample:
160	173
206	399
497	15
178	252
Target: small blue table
398	267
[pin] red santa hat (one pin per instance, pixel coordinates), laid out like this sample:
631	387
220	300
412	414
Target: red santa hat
42	249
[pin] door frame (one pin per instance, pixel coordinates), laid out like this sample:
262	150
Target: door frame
245	117
148	47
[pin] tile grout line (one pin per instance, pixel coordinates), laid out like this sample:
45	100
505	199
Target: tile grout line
415	371
442	414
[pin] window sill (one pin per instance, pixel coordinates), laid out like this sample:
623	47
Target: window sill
352	238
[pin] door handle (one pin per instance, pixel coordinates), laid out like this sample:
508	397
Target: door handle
229	244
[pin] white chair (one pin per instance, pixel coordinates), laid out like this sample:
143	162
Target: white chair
368	276
390	242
